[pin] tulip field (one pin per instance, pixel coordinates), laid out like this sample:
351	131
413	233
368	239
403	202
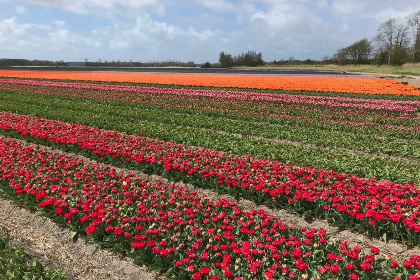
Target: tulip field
344	150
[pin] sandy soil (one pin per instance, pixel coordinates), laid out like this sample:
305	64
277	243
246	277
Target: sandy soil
409	79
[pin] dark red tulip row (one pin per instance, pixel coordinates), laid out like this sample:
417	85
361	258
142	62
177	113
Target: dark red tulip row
372	206
179	231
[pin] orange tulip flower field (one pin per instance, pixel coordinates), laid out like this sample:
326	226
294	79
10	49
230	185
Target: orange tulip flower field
316	84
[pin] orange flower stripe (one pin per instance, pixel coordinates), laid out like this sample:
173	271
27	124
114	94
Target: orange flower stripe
294	83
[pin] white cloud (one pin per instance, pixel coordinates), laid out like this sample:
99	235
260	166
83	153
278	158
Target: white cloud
41	26
219	5
371	9
348	7
25	40
10	27
118	45
148	31
59	23
103	7
322	4
20	10
139	29
287	18
144	39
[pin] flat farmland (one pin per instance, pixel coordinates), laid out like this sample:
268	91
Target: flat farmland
335	153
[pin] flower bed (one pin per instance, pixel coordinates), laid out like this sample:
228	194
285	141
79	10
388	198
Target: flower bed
177	231
376	207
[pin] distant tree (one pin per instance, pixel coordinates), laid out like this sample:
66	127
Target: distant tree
252	58
381	58
413	21
206	65
398	55
190	64
416	49
391	34
342	56
25	62
359	51
386	36
309	61
225	60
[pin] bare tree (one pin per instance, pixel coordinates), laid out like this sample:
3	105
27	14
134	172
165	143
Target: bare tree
391	34
386	35
413	21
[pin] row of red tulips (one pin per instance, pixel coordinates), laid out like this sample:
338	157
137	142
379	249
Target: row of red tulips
374	207
175	230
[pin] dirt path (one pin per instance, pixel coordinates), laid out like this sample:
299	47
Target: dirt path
49	243
409	79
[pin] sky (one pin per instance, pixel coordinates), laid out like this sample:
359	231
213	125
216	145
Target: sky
188	30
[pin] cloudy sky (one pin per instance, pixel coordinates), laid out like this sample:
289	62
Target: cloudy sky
184	30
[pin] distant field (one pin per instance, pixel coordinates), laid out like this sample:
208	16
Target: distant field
385	69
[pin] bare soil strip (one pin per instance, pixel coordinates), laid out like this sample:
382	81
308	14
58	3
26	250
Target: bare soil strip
408	79
50	244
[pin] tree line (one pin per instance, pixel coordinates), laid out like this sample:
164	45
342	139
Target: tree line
394	44
5	62
250	58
